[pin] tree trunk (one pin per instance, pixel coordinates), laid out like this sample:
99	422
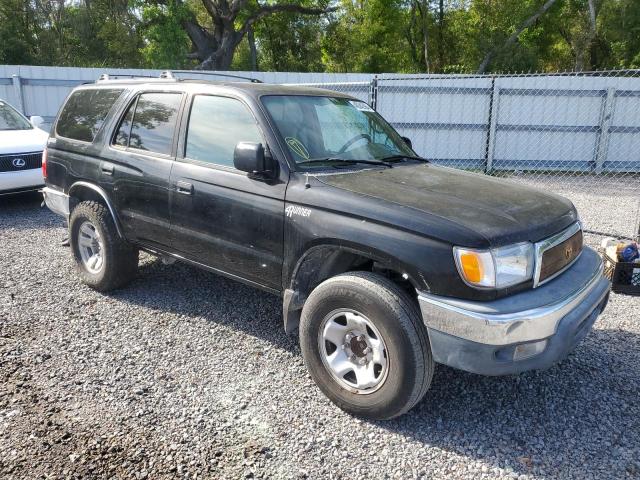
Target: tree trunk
215	49
583	44
423	9
425	38
514	36
252	50
441	35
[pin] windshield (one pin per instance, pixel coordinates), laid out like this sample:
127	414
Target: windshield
318	129
10	119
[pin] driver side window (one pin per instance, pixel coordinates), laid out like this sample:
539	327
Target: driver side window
216	126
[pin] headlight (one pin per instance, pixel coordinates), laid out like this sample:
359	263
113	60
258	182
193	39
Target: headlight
496	268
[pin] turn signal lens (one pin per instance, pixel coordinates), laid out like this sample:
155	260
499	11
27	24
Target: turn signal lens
476	267
471	267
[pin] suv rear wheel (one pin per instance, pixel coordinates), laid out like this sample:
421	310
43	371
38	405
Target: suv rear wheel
365	346
104	260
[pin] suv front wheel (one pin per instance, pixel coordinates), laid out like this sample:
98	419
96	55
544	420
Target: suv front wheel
104	260
365	346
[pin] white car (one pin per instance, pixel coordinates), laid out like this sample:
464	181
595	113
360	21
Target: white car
21	146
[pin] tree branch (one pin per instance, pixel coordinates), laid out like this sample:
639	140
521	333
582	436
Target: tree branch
514	36
267	10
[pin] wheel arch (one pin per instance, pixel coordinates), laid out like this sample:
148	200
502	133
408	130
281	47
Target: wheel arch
82	191
325	260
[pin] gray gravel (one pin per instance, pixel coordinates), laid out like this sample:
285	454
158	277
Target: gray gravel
186	374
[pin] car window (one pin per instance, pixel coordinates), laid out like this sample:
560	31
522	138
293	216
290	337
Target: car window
149	122
124	130
154	121
84	113
10	119
321	128
216	125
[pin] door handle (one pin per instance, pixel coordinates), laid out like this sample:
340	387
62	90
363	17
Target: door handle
185	188
106	168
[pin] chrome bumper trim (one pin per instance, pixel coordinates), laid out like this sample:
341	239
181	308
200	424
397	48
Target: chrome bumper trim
56	201
526	316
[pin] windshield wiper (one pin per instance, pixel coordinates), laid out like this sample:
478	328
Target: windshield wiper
335	160
391	158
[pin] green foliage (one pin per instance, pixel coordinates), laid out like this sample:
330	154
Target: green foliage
166	42
439	36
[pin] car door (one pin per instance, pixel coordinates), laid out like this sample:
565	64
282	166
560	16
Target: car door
138	164
220	216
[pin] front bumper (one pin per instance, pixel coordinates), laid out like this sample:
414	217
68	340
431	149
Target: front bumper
21	180
482	337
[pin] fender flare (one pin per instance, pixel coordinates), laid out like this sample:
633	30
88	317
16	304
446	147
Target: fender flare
100	191
296	292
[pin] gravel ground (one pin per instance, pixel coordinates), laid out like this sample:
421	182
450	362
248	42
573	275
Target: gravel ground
186	374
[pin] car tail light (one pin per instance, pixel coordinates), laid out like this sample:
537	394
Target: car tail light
44	163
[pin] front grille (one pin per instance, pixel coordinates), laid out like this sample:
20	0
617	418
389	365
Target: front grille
557	257
20	161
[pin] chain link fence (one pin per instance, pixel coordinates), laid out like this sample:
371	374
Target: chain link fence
574	134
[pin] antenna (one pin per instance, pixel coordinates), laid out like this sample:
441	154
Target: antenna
170	74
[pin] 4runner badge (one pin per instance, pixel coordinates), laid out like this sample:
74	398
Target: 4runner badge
292	210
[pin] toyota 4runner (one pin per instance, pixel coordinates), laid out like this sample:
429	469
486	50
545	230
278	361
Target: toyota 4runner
387	264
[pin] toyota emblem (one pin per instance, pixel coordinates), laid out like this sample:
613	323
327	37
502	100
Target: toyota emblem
19	162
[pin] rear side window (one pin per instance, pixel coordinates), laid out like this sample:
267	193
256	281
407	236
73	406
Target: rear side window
150	122
84	113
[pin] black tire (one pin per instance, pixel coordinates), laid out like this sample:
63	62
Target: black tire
397	318
119	258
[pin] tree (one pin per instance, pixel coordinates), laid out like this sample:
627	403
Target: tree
368	36
514	36
419	27
231	20
289	42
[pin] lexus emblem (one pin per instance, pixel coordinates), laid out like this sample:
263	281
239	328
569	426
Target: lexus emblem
18	162
567	253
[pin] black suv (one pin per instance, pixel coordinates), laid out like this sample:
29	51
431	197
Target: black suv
386	263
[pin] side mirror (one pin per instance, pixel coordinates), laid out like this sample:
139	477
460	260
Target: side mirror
249	157
36	120
407	140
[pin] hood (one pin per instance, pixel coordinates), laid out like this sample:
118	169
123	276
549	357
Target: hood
501	211
22	141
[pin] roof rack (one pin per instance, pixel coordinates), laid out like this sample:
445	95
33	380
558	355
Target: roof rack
170	74
113	76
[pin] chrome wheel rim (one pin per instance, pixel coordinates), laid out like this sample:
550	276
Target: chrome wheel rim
353	351
91	247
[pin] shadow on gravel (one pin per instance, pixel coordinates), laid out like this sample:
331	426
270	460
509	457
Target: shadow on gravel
192	292
574	419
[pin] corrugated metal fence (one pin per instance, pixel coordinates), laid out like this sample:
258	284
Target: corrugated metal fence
577	134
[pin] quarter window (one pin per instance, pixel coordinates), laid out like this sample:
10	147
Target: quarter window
150	122
84	113
216	126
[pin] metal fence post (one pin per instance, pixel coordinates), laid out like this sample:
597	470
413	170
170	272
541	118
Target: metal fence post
494	101
602	142
17	90
373	92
